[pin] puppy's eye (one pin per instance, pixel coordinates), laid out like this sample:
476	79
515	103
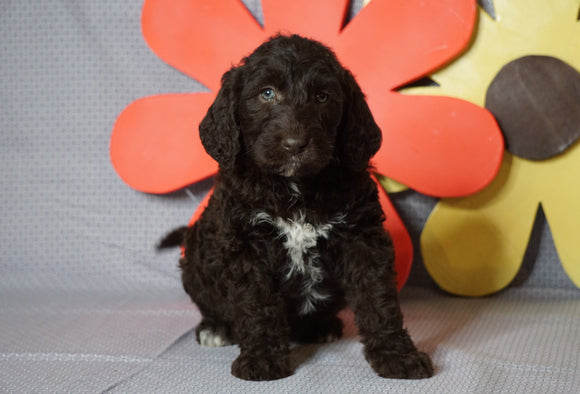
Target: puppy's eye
322	97
268	94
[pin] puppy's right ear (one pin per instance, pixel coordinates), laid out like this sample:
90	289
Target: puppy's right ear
218	131
359	136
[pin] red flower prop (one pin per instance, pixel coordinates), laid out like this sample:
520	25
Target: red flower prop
440	146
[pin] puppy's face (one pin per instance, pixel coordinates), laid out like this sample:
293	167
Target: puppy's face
290	109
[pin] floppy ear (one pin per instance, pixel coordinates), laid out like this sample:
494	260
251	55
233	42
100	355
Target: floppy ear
218	131
359	137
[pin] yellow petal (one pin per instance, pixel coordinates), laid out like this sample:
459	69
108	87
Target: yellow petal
475	246
390	185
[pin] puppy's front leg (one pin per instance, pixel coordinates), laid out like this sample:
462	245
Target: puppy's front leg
373	296
262	330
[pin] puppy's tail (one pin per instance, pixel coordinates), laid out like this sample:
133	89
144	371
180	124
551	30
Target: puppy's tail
173	239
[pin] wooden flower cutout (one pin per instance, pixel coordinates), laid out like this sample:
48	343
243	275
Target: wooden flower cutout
524	66
440	146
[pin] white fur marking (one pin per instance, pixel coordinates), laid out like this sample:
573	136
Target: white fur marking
208	338
300	238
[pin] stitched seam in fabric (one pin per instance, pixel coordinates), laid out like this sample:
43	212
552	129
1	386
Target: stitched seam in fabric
90	311
71	357
515	366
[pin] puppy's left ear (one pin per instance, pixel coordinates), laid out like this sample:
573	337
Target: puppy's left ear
359	137
218	131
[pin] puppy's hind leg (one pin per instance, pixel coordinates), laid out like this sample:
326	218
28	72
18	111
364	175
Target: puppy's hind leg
213	333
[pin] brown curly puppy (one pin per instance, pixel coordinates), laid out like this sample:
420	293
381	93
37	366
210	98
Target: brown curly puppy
294	229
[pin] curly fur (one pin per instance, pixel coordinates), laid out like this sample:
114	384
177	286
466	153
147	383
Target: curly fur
294	230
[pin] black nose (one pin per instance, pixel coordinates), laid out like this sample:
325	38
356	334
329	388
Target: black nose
295	145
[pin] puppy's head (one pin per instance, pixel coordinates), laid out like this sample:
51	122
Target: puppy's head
290	109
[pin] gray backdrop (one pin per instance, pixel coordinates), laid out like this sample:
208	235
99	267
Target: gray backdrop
86	303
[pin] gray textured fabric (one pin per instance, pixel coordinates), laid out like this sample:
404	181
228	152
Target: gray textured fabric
83	341
485	345
87	304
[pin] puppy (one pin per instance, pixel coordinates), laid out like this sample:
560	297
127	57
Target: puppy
294	229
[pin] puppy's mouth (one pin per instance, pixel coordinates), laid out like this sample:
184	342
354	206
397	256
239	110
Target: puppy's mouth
303	164
275	159
291	167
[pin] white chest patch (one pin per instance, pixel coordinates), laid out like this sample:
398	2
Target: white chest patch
300	240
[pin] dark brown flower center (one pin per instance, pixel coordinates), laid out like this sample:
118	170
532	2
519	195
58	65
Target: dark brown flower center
536	101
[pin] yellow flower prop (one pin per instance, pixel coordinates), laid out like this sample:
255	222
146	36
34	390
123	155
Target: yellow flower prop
474	246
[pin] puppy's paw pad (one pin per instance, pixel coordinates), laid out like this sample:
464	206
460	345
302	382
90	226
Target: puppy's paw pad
333	332
208	338
414	365
331	337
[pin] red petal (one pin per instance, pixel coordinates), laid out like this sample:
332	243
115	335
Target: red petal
203	39
319	19
155	146
392	42
439	146
401	239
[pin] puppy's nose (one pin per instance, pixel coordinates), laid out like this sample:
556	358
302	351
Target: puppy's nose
295	145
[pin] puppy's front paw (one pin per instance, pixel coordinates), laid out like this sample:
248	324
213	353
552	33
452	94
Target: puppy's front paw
249	367
389	364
